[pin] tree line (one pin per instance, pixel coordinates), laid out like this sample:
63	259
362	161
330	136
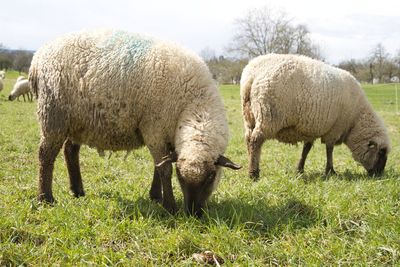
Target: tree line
18	60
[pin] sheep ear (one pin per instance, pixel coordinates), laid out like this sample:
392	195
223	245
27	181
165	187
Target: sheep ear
172	157
225	162
372	144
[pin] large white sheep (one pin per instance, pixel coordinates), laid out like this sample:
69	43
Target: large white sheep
118	91
297	99
21	87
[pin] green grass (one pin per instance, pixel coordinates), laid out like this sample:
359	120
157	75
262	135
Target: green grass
284	219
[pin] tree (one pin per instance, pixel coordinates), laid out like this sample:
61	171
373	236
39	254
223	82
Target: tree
22	61
265	30
379	61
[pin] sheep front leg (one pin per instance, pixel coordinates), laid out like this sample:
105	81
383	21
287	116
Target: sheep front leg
329	160
71	155
168	199
306	149
155	191
48	150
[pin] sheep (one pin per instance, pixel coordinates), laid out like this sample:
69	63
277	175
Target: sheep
2	74
21	87
297	99
113	90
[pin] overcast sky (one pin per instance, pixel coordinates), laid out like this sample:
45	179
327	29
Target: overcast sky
342	28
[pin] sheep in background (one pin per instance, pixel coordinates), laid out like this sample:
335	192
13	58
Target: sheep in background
21	87
297	99
118	91
2	74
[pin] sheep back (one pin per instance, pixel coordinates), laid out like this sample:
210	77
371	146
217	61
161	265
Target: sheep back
295	98
116	91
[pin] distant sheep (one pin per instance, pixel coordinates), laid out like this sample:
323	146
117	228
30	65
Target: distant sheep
21	87
118	91
297	99
2	74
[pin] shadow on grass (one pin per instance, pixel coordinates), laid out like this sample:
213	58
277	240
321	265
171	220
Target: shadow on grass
257	218
347	175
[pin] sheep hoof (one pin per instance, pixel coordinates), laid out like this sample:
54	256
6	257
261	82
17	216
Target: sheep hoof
156	198
254	175
300	170
79	194
330	171
46	198
171	208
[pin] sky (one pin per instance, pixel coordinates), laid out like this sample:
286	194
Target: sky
343	29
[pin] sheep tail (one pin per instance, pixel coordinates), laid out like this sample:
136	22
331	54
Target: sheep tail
34	81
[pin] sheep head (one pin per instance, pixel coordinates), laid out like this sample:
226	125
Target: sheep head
198	178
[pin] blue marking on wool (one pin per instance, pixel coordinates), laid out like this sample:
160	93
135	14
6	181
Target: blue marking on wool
128	48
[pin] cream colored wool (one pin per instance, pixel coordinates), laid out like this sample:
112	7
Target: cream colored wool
115	91
297	99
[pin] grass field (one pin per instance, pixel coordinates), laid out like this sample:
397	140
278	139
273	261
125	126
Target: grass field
284	219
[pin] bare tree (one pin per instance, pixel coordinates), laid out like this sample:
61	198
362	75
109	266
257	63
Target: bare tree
207	54
379	60
262	31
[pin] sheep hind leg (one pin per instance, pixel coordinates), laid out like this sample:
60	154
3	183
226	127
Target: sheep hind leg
71	155
254	144
48	151
329	160
306	149
156	189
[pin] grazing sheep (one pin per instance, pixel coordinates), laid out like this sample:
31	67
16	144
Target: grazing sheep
21	87
118	91
2	74
297	99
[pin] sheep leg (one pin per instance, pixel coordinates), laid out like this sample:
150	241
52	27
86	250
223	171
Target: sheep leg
48	150
23	95
329	160
254	144
168	199
306	149
71	155
155	191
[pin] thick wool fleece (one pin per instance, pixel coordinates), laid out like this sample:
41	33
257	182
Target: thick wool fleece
294	98
113	90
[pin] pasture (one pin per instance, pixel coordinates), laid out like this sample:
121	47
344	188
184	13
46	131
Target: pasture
283	219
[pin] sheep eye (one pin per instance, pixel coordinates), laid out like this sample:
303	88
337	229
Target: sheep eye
371	144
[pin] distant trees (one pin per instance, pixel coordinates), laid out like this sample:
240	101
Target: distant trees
378	67
259	32
262	31
19	60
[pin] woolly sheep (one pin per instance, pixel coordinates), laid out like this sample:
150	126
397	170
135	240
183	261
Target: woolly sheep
297	99
2	74
21	87
113	90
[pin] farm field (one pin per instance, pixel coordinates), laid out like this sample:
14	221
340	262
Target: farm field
283	219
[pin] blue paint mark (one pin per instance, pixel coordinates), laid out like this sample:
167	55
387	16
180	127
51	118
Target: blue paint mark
128	48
